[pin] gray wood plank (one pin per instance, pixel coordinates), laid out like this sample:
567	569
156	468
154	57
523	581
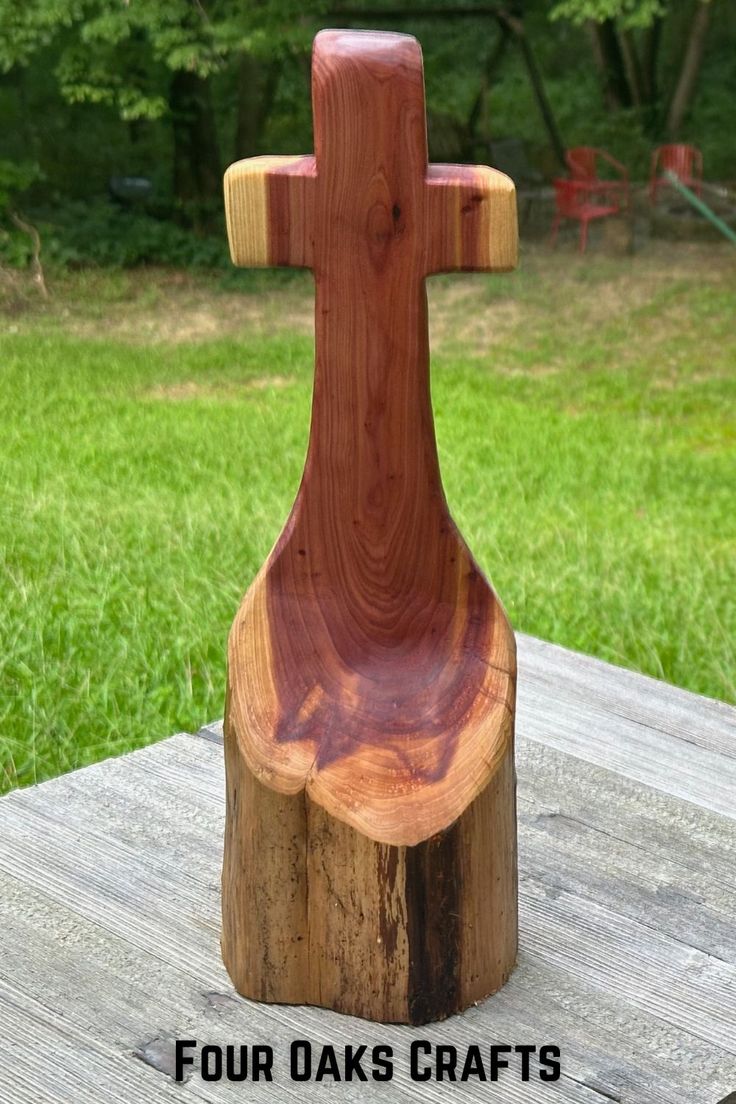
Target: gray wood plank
50	1061
645	730
140	1003
590	824
571	789
116	899
691	718
137	1001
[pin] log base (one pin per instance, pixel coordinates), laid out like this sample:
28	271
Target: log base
316	913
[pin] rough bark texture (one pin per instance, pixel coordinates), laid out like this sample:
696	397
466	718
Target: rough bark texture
317	913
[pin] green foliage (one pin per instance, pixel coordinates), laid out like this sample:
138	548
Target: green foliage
90	89
15	178
101	233
631	13
33	25
107	50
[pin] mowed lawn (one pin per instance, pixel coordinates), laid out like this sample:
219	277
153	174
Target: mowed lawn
154	427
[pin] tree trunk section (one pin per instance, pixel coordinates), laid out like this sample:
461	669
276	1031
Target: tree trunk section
516	26
197	180
257	84
683	94
610	62
651	41
632	65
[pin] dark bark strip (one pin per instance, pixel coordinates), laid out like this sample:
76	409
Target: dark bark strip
433	897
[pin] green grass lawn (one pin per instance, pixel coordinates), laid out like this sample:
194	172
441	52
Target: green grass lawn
154	427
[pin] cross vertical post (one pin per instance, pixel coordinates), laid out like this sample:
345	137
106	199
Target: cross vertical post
370	854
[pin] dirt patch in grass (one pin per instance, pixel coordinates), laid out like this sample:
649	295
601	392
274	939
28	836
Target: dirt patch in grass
186	390
552	290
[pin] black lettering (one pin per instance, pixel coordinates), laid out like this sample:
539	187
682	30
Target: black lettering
352	1063
419	1046
446	1062
262	1063
327	1065
497	1062
547	1056
525	1050
473	1065
381	1057
236	1071
181	1059
211	1071
300	1050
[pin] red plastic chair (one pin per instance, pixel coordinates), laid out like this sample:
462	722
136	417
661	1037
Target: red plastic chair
582	161
572	201
686	162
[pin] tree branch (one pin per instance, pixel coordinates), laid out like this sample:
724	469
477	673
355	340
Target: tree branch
33	234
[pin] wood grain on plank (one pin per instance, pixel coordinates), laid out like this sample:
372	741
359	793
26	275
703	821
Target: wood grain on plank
679	714
151	837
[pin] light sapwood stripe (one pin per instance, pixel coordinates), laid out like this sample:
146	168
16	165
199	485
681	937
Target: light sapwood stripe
246	212
247	209
470	219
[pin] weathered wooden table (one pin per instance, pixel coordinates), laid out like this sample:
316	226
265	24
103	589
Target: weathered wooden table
627	799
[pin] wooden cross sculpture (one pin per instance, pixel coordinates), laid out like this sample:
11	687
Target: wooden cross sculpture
370	850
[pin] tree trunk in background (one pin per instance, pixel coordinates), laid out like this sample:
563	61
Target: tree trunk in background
651	39
257	84
632	64
611	66
543	103
685	87
516	25
197	176
478	120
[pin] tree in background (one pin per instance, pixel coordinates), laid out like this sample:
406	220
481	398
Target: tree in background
627	37
157	60
175	89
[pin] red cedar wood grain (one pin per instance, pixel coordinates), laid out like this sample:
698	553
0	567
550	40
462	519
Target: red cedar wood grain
370	858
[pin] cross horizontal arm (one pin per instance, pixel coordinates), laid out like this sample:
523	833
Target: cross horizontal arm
268	207
470	223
